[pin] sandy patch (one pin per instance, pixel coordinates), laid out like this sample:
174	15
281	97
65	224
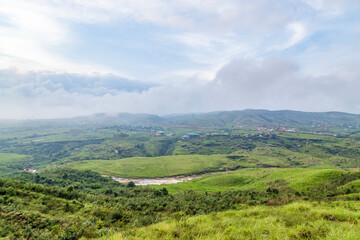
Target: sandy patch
157	181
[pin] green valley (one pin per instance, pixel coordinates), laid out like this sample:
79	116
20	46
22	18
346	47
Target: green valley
251	174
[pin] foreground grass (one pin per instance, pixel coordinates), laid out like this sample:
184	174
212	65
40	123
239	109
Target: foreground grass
299	179
138	167
301	220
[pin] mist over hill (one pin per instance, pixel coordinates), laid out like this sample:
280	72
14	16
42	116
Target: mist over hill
221	119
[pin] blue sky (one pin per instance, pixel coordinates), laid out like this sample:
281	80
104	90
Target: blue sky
63	58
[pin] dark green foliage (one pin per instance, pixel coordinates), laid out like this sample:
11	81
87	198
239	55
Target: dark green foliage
130	184
64	203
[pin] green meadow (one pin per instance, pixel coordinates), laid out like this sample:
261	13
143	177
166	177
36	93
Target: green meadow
9	158
299	179
12	162
148	167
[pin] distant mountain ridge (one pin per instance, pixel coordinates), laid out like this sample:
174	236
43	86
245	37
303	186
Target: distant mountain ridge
269	118
238	118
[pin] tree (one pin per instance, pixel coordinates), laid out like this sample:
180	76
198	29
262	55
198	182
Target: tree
130	184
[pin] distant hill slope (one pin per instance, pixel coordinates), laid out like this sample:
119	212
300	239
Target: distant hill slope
266	118
252	118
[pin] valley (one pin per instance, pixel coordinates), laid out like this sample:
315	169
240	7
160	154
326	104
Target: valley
289	174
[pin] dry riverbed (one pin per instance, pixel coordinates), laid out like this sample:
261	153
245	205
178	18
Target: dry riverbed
157	181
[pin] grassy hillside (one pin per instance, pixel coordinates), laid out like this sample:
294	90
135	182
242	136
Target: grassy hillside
11	163
249	117
70	204
301	220
260	179
279	149
283	157
272	118
8	158
140	167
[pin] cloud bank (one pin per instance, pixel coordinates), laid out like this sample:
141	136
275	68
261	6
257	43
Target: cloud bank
272	83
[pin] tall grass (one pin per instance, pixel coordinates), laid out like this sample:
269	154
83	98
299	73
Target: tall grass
300	220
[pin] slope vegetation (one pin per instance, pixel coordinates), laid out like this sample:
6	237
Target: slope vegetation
298	179
301	220
139	167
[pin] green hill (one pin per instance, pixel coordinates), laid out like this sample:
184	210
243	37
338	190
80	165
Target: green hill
266	118
301	220
298	179
249	117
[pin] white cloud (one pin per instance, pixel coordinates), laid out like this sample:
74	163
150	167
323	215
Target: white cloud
298	31
211	50
212	32
186	14
332	7
30	35
274	83
93	84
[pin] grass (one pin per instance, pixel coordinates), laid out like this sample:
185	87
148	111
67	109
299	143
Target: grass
9	158
148	167
282	157
300	220
299	179
210	145
351	186
11	163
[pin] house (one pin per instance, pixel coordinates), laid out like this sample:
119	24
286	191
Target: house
160	133
185	137
191	135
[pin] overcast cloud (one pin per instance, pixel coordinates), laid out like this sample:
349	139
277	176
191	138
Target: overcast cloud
68	58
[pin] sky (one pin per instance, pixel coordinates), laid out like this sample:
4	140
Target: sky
66	58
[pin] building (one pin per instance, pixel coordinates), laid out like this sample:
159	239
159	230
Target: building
191	135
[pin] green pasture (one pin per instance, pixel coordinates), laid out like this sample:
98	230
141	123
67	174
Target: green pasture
9	158
11	163
299	179
148	167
